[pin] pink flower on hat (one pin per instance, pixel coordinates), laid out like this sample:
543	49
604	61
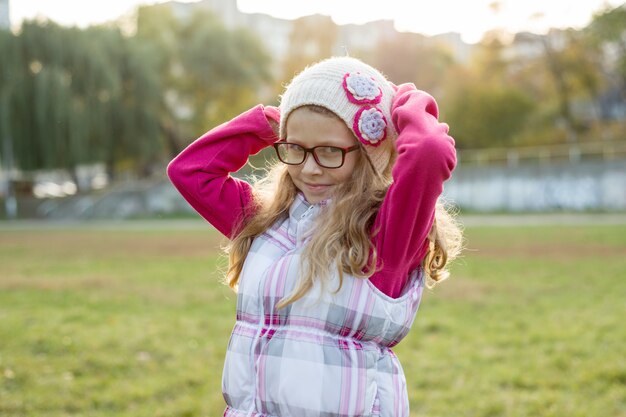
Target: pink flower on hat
361	89
370	126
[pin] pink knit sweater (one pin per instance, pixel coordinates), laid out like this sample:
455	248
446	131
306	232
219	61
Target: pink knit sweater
426	158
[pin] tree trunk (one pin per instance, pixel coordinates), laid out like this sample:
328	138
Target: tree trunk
172	139
556	69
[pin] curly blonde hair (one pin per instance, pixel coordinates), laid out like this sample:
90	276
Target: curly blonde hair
343	229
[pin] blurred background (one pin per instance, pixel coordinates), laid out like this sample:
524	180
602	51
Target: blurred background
111	301
96	99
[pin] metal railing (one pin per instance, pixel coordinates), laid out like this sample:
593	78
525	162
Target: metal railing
572	153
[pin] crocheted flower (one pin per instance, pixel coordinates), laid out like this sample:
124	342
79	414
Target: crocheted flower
361	89
370	126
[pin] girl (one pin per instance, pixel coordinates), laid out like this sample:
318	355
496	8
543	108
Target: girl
331	251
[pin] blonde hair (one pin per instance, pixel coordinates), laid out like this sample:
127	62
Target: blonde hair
445	243
344	232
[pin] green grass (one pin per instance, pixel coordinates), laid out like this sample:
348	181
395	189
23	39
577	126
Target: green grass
135	323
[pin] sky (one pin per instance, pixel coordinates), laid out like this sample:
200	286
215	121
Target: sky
471	18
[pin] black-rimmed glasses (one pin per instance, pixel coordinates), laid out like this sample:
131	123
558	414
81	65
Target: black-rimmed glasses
325	156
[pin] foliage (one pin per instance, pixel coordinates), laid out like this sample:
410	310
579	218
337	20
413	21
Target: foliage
74	96
481	105
208	73
549	97
484	115
409	57
574	74
312	38
608	31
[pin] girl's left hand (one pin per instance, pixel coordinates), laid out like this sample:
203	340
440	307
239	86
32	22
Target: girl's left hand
273	117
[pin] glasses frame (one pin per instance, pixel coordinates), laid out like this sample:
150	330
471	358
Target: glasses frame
311	151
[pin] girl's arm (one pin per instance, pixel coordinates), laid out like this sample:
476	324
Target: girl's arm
426	158
201	171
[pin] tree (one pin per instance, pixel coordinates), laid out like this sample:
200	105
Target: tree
486	115
207	73
556	71
223	70
607	33
410	57
312	38
74	97
481	103
581	60
557	67
489	60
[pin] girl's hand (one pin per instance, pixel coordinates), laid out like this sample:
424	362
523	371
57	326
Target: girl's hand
415	109
273	117
403	94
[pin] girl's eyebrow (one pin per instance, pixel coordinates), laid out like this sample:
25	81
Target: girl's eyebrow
290	140
323	143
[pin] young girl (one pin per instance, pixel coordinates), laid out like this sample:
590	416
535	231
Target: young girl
331	251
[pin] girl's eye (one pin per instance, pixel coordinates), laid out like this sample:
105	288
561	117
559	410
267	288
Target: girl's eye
329	150
294	148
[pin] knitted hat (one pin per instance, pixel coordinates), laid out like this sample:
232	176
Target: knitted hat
357	93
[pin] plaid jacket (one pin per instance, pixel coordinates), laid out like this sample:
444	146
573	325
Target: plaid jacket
327	354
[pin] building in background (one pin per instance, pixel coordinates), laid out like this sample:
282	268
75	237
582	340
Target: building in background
5	21
461	51
354	37
274	32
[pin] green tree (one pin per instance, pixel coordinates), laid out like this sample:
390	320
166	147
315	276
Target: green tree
482	106
207	73
581	59
74	96
607	32
557	65
489	61
563	72
312	38
486	115
410	57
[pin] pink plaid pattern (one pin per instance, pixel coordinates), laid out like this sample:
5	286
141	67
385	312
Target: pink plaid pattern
327	354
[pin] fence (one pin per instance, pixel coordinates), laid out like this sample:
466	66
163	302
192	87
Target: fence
573	153
590	176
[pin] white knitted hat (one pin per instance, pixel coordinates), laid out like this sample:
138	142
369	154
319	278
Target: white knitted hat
357	93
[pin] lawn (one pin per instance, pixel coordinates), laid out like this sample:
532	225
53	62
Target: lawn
114	322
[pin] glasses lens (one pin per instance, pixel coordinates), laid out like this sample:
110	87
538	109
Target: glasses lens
329	156
290	153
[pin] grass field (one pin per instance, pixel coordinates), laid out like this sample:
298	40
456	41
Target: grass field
135	323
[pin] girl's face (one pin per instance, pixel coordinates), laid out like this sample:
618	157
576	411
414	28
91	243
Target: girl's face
308	129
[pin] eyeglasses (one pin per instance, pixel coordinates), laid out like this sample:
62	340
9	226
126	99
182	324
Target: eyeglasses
325	156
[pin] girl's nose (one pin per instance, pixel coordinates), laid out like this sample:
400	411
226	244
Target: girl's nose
310	166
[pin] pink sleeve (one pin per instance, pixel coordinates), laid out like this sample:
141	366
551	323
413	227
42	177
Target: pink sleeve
201	171
426	158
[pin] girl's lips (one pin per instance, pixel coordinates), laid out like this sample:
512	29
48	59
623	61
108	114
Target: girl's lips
317	187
